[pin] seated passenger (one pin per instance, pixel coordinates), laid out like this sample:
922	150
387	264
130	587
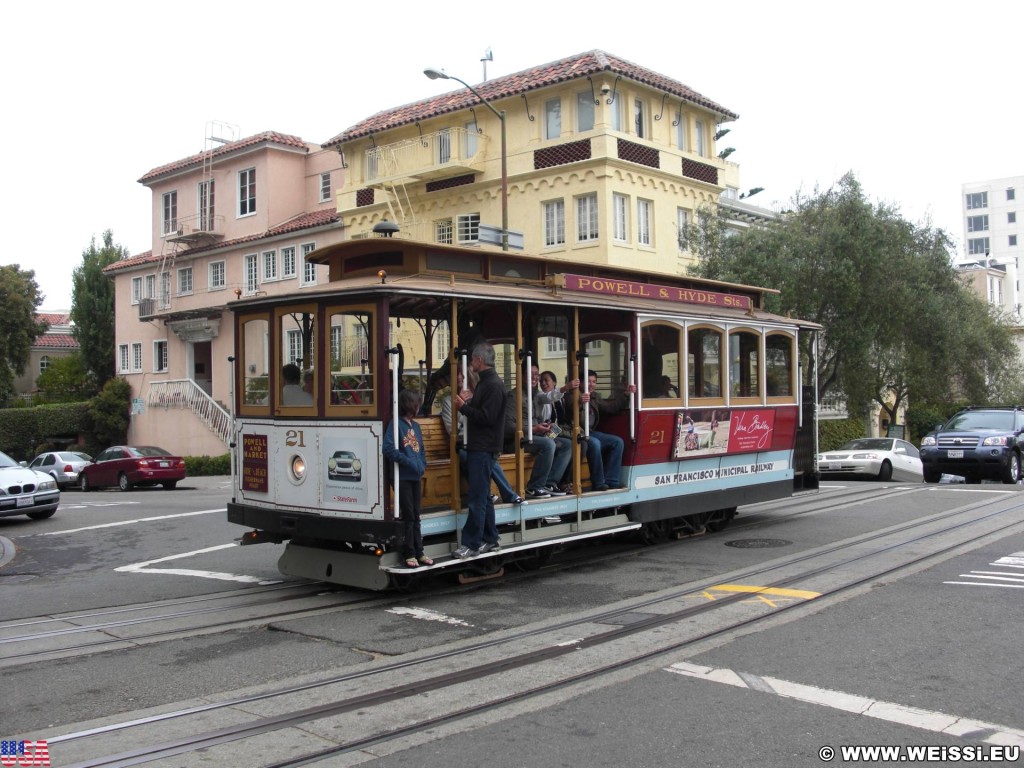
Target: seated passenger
292	392
604	451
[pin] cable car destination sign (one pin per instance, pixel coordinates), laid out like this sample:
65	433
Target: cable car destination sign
614	287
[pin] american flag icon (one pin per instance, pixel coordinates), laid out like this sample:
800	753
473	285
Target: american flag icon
24	753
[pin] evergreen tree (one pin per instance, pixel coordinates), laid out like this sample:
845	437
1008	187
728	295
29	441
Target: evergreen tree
92	309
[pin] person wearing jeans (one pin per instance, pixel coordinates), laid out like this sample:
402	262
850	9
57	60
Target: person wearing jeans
604	450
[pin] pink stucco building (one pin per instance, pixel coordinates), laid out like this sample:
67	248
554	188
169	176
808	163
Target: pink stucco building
237	219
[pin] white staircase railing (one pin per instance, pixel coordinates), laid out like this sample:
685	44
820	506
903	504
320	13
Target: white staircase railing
186	394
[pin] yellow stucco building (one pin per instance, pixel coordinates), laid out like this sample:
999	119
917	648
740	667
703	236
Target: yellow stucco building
606	161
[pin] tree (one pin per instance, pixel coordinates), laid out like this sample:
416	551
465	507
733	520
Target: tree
109	413
898	323
20	298
65	380
92	308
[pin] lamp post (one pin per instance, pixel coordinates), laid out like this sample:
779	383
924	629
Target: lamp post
440	74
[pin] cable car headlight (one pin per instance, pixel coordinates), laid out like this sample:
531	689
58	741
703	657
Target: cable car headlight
297	468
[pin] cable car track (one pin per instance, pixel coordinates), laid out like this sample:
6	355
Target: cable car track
550	648
568	559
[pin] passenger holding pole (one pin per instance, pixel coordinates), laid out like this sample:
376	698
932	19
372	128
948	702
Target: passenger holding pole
484	410
409	466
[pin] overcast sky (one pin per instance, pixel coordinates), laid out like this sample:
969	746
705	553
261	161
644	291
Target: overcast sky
915	98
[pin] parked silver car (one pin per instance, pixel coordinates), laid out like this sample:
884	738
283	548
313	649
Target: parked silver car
25	491
62	466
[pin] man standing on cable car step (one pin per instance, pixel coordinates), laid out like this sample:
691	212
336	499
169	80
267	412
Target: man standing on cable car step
484	409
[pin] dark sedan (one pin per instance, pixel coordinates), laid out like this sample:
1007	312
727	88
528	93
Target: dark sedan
127	466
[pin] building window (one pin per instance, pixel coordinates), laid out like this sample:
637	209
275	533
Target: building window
1013	239
165	290
206	205
680	127
644	212
552	118
136	357
639	121
122	358
620	218
44	363
288	261
977	223
584	112
586	218
218	278
170	200
977	246
160	356
468	228
269	265
247	192
616	115
308	268
443	231
556	345
472	138
150	287
1011	217
184	281
252	275
554	223
977	200
1011	194
682	222
136	289
698	133
325	187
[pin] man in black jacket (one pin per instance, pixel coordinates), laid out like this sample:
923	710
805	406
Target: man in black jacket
484	409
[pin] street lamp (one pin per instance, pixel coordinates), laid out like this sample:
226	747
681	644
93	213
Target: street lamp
440	74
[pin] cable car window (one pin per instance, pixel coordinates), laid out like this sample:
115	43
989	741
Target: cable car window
351	360
704	363
778	363
744	364
296	382
254	361
661	348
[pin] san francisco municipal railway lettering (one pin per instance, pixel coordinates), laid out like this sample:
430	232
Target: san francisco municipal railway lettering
696	475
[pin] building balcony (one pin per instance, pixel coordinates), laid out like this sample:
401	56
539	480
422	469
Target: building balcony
449	152
193	231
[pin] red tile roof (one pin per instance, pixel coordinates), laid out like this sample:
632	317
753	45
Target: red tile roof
303	221
584	64
54	318
267	137
56	341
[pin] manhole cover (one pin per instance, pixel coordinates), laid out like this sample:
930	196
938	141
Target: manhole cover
757	543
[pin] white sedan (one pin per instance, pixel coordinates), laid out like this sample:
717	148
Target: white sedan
25	491
884	458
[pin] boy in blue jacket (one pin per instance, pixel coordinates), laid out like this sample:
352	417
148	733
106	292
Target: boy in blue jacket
410	464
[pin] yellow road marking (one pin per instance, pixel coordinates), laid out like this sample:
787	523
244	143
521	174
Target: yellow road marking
777	591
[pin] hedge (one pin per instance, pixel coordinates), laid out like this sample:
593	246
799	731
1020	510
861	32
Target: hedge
832	433
201	466
24	430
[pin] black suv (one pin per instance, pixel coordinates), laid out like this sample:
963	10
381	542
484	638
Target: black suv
976	443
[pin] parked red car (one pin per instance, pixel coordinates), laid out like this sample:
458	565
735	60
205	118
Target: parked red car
126	466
